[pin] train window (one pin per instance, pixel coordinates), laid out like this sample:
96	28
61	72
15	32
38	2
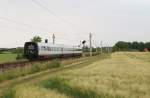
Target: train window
31	47
49	49
45	48
42	48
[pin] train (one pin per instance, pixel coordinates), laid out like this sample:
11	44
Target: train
36	50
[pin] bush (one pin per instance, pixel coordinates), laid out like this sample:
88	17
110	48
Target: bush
19	56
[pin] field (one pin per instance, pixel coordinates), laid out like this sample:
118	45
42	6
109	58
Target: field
7	57
123	75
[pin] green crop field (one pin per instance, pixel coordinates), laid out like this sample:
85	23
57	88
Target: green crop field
123	75
7	57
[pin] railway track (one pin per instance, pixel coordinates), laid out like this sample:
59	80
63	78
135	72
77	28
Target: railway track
10	65
13	65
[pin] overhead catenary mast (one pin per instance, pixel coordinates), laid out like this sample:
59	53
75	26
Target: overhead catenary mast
101	47
90	39
53	39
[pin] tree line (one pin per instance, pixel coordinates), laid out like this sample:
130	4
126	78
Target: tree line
131	46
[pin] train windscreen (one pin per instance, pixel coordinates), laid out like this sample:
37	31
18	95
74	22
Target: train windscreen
31	50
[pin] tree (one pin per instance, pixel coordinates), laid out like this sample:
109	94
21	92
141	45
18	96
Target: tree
121	46
131	46
147	45
19	52
141	46
36	39
135	45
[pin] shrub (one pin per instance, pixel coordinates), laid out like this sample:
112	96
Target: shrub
19	56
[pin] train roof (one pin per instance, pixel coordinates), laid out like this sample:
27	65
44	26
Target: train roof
50	44
57	45
53	45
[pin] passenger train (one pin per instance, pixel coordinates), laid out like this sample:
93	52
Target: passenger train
34	50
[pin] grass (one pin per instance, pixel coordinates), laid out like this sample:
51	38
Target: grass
8	57
139	55
63	87
24	91
22	71
37	92
120	76
124	75
57	64
35	68
9	93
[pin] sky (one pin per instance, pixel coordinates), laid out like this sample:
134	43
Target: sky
71	21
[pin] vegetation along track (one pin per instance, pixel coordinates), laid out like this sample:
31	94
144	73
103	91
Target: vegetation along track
34	78
10	65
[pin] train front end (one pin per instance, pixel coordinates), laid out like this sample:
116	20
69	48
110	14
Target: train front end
31	50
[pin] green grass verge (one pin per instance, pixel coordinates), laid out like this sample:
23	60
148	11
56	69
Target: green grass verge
63	87
8	57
